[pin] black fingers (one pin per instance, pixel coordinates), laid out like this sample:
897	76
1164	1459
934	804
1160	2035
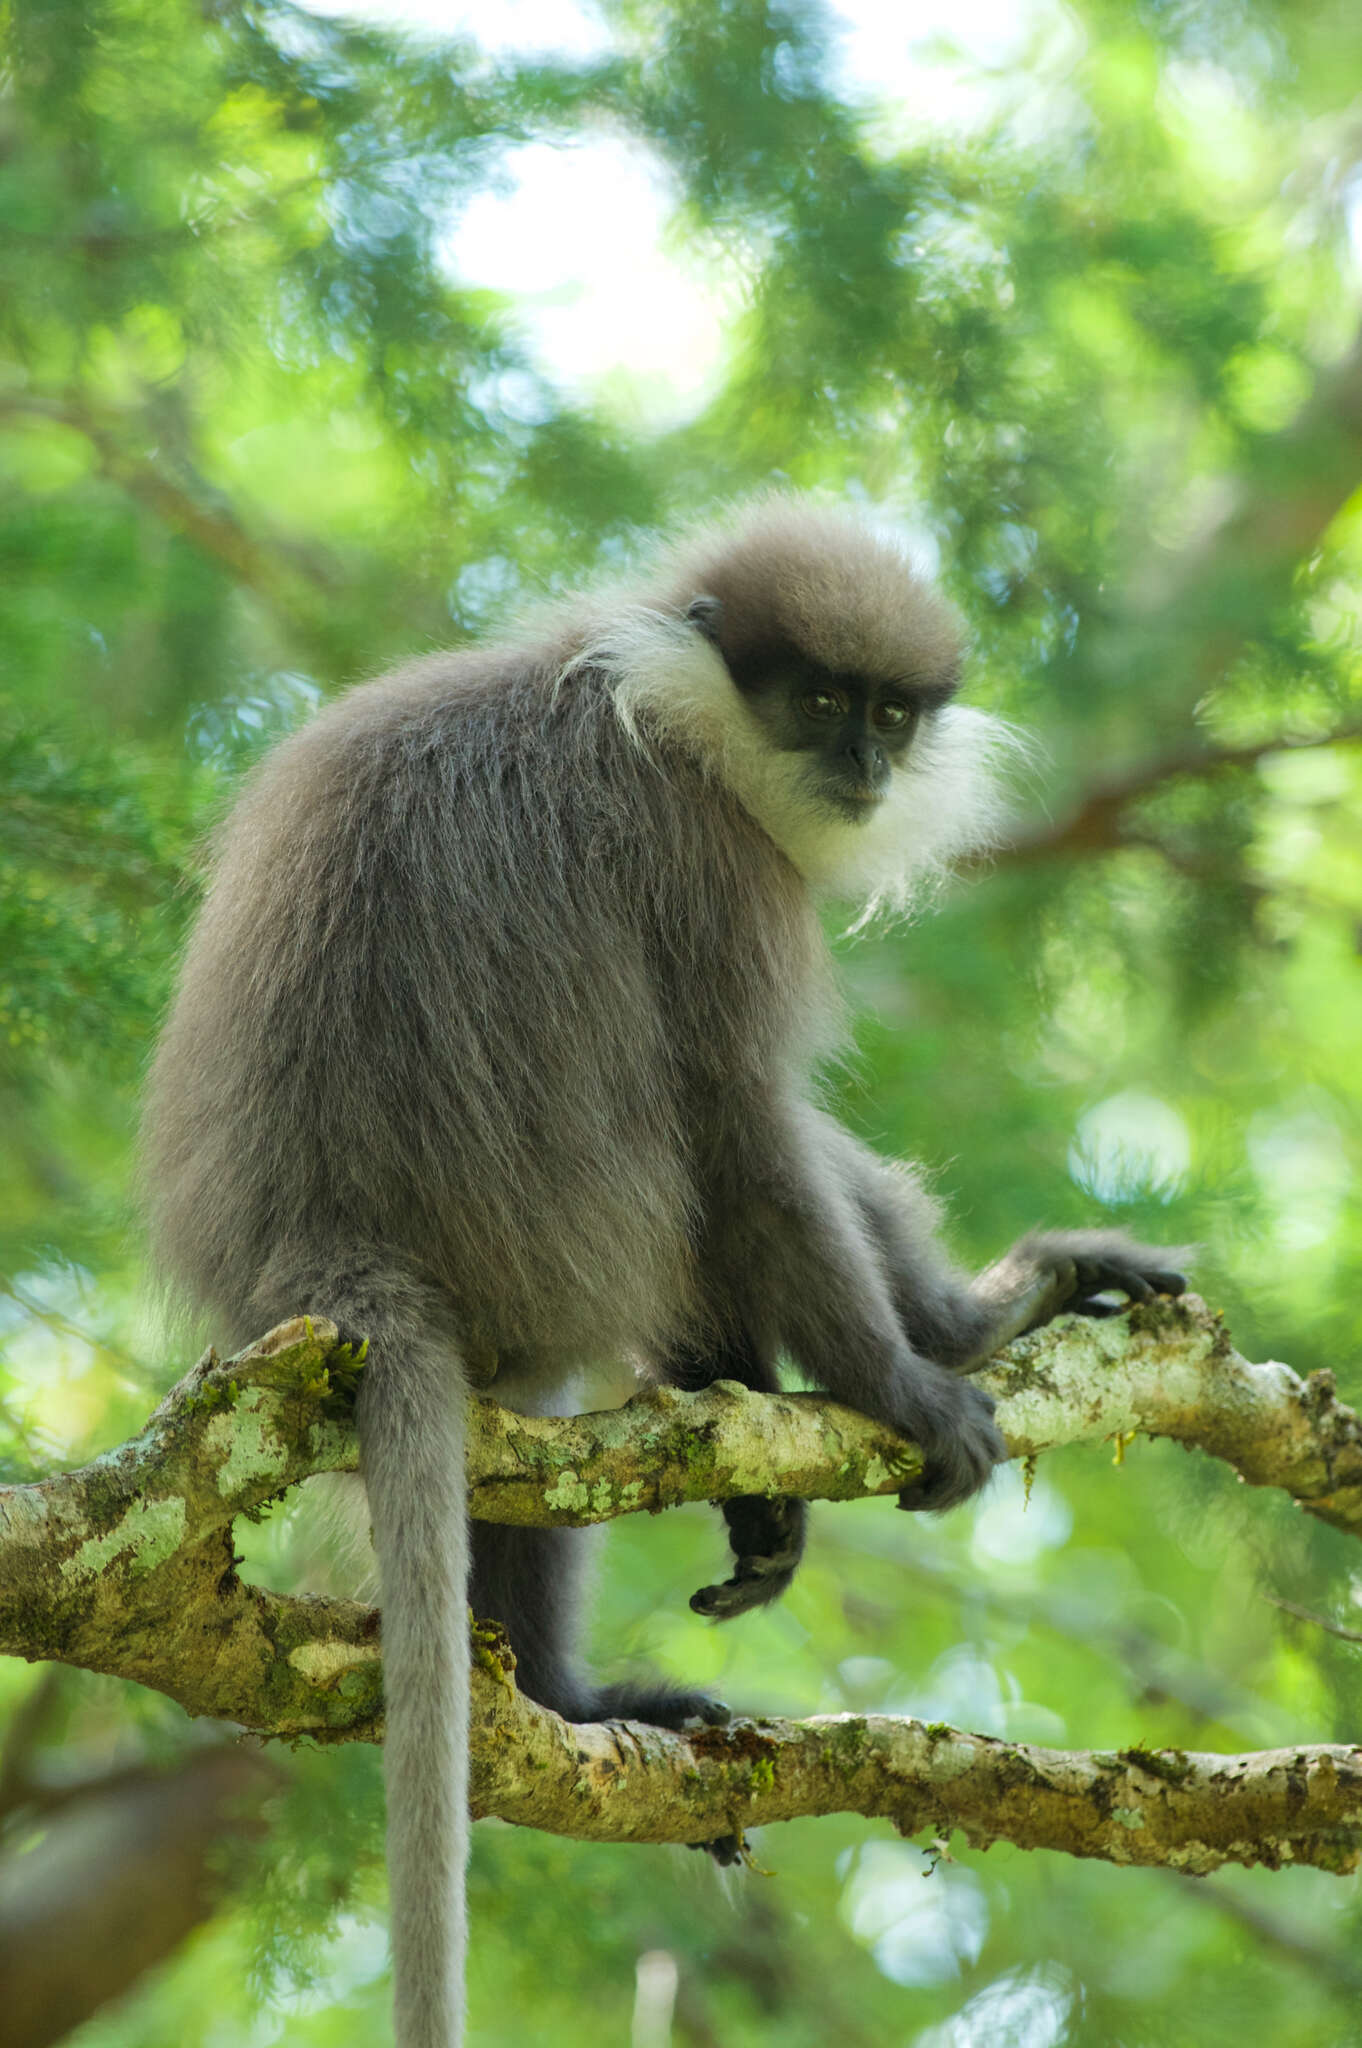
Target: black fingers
961	1443
1124	1268
768	1541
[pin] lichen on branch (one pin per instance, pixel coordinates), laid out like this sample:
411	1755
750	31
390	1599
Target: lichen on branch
127	1566
619	1781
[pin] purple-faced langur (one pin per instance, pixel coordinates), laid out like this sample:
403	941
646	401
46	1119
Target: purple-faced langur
496	1044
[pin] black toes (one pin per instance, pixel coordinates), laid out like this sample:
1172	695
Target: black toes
1097	1277
725	1849
920	1498
660	1706
756	1582
722	1601
935	1491
1106	1261
768	1540
761	1527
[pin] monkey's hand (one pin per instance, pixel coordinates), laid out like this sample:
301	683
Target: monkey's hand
952	1419
768	1541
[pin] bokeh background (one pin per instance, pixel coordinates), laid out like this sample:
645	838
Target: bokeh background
323	340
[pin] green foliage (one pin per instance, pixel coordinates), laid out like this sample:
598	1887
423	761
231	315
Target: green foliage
258	437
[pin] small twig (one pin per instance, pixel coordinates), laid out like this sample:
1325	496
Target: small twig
1333	1628
1100	822
63	1325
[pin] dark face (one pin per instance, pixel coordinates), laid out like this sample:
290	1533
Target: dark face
855	729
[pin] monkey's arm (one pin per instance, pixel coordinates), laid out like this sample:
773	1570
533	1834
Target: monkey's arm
962	1322
805	1271
864	1232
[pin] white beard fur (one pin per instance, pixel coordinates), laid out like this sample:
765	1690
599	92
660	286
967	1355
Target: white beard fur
945	798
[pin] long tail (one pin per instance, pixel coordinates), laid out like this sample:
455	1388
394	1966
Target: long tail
412	1437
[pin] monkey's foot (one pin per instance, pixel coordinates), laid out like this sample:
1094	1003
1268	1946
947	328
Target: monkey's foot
662	1705
1087	1264
1053	1272
665	1708
768	1541
725	1849
571	1694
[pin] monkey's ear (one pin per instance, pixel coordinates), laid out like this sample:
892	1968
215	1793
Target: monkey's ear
704	613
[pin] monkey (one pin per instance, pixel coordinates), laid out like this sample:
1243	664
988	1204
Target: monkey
497	1042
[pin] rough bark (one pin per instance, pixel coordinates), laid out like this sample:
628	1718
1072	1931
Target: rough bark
618	1781
127	1566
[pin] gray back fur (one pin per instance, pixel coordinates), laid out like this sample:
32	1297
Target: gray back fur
496	956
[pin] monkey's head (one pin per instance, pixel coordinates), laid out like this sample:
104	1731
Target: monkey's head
813	667
836	647
851	728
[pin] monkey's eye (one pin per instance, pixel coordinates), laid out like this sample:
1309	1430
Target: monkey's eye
892	715
824	704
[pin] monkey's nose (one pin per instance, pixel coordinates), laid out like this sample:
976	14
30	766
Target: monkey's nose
866	757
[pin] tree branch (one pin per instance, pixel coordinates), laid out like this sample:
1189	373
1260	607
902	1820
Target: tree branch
1199	607
1100	822
203	518
621	1782
121	1874
127	1566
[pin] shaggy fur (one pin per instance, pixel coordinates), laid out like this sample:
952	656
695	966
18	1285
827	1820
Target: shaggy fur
494	1042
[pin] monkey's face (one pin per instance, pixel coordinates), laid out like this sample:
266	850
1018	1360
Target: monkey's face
854	733
824	703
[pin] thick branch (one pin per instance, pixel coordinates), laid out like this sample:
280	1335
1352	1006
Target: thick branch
127	1566
618	1781
1198	608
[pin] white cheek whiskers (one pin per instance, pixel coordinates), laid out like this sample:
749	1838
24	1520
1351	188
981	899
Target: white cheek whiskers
945	796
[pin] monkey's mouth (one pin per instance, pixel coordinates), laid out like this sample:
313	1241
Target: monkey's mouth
854	801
